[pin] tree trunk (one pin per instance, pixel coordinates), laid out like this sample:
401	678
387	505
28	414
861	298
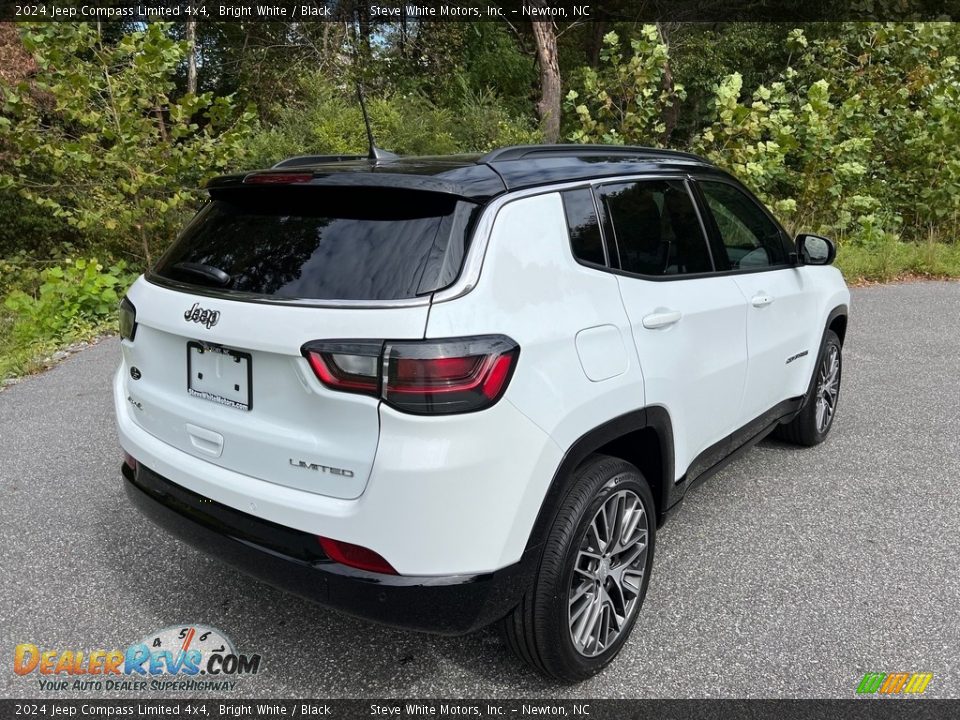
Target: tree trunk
545	37
669	115
599	29
192	56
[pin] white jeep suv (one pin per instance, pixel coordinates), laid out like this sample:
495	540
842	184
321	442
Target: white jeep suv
443	392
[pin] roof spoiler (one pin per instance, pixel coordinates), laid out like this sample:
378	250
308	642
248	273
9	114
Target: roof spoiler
522	152
305	160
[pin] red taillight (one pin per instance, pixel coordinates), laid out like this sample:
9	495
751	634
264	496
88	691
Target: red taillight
355	556
277	178
437	374
333	376
347	365
433	377
441	377
130	461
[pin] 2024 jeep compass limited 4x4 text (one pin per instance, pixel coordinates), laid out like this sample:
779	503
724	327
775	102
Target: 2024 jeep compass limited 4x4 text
444	392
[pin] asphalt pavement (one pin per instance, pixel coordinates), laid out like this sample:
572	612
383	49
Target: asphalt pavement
790	574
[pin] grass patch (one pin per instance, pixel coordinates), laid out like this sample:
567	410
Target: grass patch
25	357
17	358
894	260
42	311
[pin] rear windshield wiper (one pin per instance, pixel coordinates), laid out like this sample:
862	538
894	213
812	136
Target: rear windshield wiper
208	273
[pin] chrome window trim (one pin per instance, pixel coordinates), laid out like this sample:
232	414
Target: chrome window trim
476	254
233	296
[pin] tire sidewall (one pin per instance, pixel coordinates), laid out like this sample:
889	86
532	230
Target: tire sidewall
625	479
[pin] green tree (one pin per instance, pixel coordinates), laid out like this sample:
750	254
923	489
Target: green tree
625	100
97	138
853	138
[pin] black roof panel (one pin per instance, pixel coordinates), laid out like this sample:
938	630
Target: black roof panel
479	178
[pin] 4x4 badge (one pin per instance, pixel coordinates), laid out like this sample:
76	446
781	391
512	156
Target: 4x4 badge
197	314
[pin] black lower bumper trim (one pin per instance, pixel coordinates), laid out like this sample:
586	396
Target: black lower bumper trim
292	560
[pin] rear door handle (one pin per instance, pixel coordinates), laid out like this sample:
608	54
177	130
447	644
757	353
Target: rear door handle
761	300
661	319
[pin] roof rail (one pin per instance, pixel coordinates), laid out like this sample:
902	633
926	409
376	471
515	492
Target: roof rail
304	160
520	152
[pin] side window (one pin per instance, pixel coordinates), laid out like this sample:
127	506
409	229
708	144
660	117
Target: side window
656	228
749	236
585	239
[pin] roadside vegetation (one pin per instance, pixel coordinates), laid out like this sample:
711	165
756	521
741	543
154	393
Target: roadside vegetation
107	133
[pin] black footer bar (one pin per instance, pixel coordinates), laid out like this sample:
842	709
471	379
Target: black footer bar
232	709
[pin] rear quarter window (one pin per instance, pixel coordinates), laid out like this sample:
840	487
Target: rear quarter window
583	225
325	243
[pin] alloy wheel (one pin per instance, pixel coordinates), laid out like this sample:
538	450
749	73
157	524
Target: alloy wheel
608	573
828	388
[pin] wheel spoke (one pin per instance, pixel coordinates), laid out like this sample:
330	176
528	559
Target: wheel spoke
580	592
629	557
589	622
627	578
630	527
600	542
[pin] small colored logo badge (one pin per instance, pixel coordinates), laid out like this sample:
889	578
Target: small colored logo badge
894	683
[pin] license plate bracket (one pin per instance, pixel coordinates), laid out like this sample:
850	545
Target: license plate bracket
220	375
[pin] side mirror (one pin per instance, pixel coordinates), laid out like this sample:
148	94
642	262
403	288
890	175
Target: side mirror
815	250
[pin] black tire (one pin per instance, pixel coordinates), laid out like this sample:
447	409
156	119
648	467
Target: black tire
805	429
539	629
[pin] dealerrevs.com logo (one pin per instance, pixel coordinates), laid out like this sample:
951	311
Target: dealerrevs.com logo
180	657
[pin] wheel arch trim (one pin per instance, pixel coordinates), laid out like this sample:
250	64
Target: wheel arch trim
838	311
655	418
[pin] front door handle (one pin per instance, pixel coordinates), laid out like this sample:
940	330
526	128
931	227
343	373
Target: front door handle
761	300
661	319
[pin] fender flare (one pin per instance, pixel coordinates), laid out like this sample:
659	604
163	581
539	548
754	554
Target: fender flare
838	311
654	417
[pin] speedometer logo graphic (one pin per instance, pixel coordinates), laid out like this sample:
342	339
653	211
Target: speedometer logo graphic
181	639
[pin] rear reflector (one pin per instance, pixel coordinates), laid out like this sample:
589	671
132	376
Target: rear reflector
130	461
355	556
434	377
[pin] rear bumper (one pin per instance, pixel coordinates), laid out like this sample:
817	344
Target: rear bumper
293	561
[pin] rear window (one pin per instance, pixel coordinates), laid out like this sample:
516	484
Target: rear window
323	243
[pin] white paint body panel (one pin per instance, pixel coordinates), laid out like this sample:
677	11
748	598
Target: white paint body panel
446	495
696	367
533	290
459	494
294	417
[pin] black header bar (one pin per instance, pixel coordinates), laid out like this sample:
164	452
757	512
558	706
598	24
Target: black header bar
562	11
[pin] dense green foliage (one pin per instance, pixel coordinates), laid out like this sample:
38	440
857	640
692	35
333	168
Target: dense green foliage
845	129
98	141
65	301
324	117
74	292
850	139
626	100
